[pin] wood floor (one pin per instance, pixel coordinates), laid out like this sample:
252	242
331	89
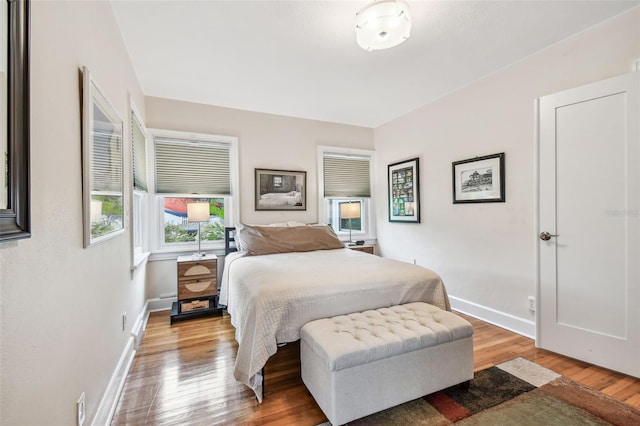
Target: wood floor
183	375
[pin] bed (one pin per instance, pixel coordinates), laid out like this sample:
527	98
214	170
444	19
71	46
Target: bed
280	280
273	199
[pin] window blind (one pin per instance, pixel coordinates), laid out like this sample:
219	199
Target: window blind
191	167
106	155
346	176
139	154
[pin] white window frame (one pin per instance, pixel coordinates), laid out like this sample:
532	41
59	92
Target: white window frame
140	212
159	249
367	211
139	200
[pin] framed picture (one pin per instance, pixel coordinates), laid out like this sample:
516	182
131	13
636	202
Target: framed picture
281	190
15	206
102	165
479	180
404	194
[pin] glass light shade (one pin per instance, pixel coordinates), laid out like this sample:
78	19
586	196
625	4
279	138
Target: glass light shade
383	24
350	210
198	212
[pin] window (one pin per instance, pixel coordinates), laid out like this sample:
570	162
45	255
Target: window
277	181
178	230
193	168
140	187
102	166
345	176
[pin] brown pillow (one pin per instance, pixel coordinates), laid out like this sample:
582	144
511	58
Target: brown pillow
256	240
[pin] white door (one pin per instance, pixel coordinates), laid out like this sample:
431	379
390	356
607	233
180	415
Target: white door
589	215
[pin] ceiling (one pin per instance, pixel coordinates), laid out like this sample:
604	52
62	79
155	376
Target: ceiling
300	58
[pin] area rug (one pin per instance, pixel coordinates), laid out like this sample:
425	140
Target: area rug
515	393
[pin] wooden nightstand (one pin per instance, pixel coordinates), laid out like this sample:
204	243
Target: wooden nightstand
197	288
367	248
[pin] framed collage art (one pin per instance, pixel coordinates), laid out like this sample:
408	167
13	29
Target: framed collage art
404	194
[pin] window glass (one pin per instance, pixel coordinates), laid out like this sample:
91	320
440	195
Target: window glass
353	224
177	229
341	225
139	153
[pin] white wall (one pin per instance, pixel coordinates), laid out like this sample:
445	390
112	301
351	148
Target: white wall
485	252
61	332
264	141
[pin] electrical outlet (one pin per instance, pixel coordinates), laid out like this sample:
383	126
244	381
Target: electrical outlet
80	409
532	303
124	321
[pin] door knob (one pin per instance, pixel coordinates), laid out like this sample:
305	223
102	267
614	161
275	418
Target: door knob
545	236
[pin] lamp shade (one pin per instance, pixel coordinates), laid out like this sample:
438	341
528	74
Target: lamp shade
96	211
350	210
198	212
383	24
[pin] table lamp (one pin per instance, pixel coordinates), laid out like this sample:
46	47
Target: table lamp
350	211
198	212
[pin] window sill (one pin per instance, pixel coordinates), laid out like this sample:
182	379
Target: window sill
139	260
173	254
358	237
367	241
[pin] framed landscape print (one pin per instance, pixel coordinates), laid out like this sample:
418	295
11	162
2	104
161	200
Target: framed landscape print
479	180
404	194
281	190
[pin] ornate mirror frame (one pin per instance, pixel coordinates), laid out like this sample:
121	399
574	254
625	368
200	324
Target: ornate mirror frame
15	220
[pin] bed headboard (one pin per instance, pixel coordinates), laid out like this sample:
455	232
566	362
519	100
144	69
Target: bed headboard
230	240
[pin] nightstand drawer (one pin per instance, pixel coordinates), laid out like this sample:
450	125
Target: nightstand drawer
365	248
188	289
197	269
196	305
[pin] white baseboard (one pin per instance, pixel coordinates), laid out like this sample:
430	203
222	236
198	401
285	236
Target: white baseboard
112	394
139	326
110	398
509	322
162	304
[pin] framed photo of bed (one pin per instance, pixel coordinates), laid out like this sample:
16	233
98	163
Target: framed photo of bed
404	194
281	189
479	180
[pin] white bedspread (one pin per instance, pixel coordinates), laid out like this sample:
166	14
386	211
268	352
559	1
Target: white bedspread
271	297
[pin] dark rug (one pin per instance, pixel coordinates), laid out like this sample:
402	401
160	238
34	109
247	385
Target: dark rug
517	393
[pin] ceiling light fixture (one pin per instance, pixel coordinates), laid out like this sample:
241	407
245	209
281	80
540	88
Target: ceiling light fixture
383	24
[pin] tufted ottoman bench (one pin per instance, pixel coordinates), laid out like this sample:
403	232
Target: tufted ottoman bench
357	364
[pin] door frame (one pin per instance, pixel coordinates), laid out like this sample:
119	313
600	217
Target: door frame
634	337
536	214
